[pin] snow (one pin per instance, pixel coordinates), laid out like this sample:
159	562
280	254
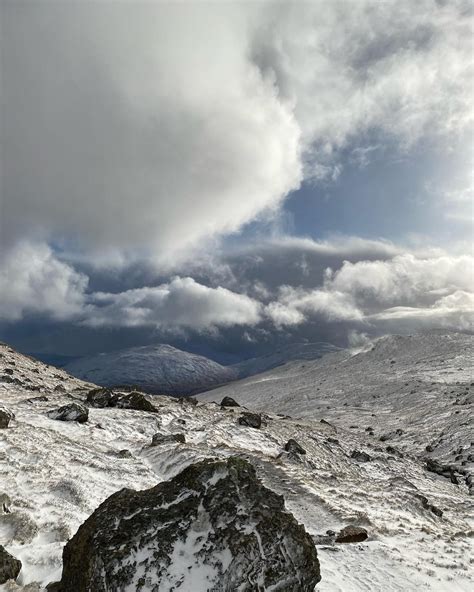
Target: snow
157	368
167	370
56	473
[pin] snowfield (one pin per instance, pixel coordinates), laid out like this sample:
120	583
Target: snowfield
420	524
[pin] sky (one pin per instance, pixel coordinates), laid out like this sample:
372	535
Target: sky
230	177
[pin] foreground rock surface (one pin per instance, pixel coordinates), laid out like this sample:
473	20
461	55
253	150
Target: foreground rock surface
213	527
9	566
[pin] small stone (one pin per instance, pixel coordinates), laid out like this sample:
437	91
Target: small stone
360	456
159	439
352	534
124	453
252	420
5	417
40	399
293	447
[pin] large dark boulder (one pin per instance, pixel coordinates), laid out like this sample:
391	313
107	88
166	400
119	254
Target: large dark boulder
187	534
70	412
101	397
9	566
137	401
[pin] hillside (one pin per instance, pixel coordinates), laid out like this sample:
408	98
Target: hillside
155	368
163	369
420	384
56	473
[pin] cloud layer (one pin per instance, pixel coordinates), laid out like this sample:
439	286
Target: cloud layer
387	291
157	126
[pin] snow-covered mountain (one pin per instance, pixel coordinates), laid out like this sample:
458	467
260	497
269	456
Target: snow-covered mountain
409	489
420	384
155	368
164	369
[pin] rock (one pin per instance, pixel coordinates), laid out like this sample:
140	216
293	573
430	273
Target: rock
40	399
446	471
328	424
351	534
5	503
137	401
252	420
229	402
394	451
293	447
390	435
59	388
431	507
5	417
188	401
172	534
54	587
159	439
8	371
9	566
124	453
360	456
70	412
101	397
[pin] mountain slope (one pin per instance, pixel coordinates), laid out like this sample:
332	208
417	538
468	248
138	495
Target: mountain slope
56	473
421	384
167	370
296	351
156	368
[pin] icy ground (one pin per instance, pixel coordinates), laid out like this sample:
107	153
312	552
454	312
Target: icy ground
56	473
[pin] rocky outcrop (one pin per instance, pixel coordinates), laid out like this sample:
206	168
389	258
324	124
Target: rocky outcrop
214	527
135	400
229	402
252	420
70	412
9	566
5	417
